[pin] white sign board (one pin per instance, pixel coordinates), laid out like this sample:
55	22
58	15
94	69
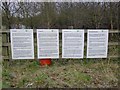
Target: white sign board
97	43
22	44
48	43
72	43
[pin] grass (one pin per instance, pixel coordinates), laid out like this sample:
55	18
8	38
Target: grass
73	73
0	62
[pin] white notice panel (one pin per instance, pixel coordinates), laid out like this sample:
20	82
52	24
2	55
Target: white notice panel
72	43
48	43
97	43
22	44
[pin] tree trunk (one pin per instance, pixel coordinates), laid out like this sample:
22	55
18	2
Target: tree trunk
111	20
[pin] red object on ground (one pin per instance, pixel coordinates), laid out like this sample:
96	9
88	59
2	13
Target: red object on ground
45	62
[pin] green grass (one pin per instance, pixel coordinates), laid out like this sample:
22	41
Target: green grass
0	62
73	73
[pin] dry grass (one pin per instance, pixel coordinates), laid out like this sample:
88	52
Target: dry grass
71	73
0	61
